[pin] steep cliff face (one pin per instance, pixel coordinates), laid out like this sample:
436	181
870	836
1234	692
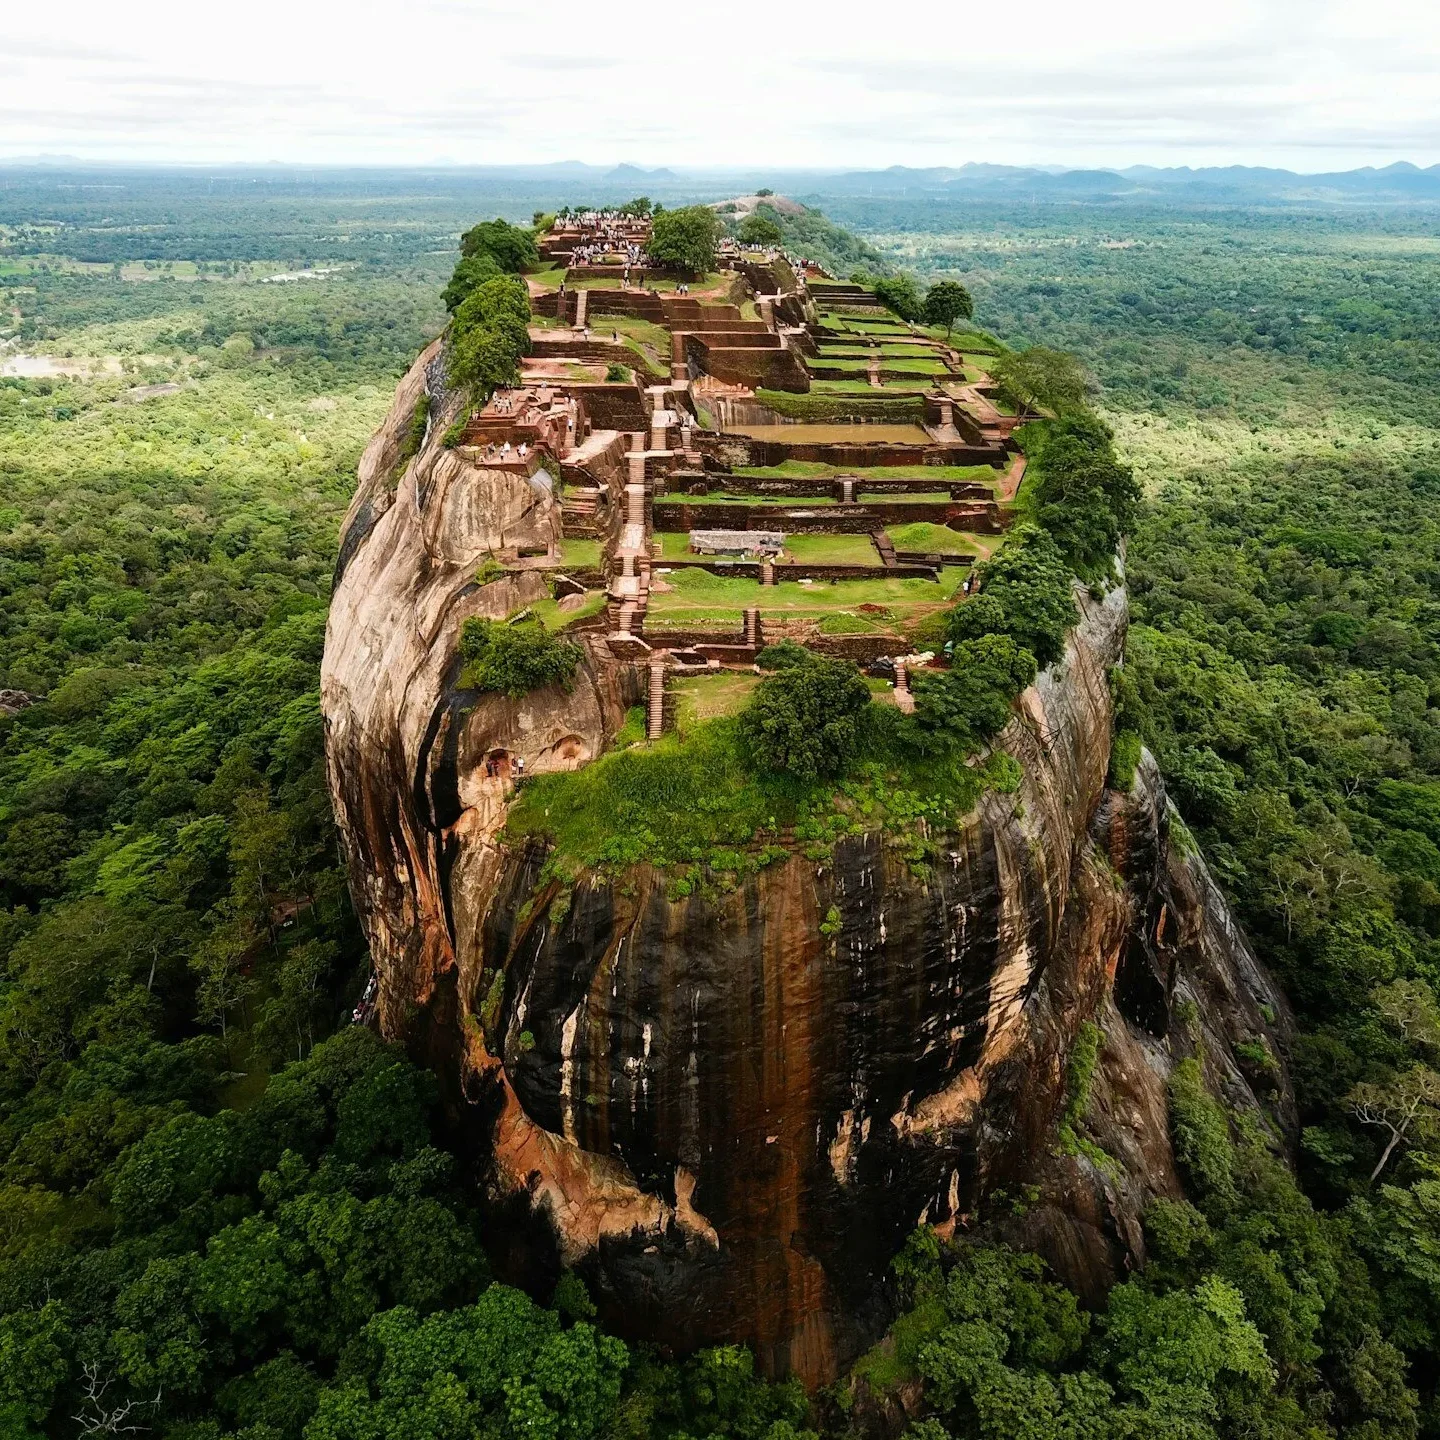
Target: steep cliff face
729	1111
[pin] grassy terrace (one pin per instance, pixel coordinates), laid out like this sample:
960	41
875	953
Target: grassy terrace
886	349
859	401
815	469
832	550
935	539
552	617
925	497
649	339
807	549
700	599
852	326
914	367
694	801
727	497
550	277
582	554
918	386
706	697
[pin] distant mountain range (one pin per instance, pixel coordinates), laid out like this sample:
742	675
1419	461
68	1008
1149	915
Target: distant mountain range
1401	183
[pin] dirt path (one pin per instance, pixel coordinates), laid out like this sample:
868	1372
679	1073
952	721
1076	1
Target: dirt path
1009	487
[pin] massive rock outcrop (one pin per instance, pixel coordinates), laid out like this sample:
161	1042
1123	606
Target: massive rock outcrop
728	1110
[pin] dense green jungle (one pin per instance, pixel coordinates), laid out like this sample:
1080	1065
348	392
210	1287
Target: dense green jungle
225	1211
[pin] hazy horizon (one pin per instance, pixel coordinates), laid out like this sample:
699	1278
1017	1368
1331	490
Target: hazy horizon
1310	87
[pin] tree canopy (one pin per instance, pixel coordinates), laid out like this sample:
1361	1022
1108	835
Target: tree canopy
758	228
491	248
900	294
686	239
1038	378
946	302
805	717
489	334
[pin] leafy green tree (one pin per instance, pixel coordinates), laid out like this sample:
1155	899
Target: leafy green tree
221	966
489	334
760	229
471	272
502	1366
946	302
512	247
1084	496
899	294
805	719
686	239
1038	378
290	1020
972	700
35	1349
783	655
1025	594
1404	1109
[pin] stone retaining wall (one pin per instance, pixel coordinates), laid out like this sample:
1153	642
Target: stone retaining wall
804	570
983	518
776	368
726	451
613	406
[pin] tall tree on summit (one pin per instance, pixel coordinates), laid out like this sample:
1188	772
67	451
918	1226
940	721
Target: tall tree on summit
947	302
686	239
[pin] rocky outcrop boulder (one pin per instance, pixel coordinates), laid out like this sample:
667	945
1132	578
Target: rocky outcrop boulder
728	1111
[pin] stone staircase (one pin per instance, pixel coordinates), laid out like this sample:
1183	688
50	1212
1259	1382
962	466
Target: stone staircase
578	511
904	700
655	708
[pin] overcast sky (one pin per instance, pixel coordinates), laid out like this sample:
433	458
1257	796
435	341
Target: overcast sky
1307	84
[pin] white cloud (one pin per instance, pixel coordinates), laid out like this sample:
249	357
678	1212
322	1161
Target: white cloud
1309	83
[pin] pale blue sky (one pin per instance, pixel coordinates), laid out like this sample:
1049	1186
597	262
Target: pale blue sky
1307	84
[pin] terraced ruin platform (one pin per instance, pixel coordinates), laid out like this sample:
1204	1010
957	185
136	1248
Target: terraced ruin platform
866	457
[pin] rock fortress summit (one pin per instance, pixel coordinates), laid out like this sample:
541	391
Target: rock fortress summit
732	815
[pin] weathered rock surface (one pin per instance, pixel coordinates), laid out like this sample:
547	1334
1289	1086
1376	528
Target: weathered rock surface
727	1114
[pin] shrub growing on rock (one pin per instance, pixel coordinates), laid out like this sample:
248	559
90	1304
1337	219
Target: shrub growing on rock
514	659
968	703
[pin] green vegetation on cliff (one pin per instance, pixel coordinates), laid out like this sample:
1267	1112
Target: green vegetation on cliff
514	659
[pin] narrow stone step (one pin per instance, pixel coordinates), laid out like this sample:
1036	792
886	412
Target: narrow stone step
904	700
